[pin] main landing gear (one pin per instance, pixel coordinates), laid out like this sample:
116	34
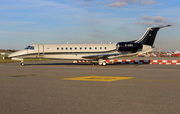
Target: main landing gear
100	62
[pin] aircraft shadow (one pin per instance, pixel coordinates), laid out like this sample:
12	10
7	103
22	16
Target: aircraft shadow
79	64
54	64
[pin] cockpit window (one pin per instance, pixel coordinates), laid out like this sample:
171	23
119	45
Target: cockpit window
27	47
30	47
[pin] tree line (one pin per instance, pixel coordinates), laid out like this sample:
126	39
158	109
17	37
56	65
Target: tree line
8	50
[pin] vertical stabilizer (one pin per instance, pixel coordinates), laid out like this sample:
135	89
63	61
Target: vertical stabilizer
149	36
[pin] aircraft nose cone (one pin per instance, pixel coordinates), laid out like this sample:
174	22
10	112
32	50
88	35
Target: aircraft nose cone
11	55
18	54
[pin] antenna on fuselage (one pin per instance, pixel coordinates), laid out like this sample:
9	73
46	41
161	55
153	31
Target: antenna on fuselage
67	42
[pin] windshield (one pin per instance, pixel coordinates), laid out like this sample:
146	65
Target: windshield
30	47
27	47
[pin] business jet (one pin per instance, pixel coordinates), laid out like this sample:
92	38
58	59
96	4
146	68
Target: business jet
96	53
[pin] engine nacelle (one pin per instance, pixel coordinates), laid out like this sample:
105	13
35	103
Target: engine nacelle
127	46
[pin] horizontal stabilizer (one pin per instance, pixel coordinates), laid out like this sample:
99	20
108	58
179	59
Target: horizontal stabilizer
161	27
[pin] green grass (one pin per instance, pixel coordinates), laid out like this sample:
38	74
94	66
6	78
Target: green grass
37	59
25	60
7	61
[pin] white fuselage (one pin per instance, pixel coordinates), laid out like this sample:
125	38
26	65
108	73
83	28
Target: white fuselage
65	51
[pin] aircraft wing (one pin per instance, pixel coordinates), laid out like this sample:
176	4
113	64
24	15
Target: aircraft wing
103	55
145	49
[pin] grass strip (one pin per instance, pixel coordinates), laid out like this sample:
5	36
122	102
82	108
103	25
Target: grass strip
25	60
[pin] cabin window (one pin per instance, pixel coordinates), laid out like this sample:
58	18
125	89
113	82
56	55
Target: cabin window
70	48
80	48
100	47
90	48
104	47
61	48
66	48
75	48
31	48
57	48
85	48
95	47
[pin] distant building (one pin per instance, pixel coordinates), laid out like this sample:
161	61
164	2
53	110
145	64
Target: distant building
4	53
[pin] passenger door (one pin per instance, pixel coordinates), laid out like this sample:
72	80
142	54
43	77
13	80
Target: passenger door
40	49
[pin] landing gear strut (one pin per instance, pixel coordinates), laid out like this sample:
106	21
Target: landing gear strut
22	63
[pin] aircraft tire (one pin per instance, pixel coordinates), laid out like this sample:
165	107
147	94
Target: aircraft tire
100	64
22	64
104	63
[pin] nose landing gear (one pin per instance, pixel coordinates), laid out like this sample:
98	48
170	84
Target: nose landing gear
22	63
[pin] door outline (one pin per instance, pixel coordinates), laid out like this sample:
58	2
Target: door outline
40	49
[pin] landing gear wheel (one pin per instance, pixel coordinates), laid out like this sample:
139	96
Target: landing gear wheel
100	64
104	63
22	64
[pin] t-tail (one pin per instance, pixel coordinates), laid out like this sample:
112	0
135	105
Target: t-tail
149	36
147	39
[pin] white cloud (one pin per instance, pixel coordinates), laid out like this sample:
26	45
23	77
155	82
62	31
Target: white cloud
155	21
118	4
156	18
85	4
28	4
148	2
96	34
146	23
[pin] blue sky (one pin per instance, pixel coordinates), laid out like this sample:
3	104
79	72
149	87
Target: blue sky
25	22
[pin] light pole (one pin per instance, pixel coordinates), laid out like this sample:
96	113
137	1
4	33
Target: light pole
159	49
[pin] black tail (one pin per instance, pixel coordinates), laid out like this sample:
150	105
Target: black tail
149	36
